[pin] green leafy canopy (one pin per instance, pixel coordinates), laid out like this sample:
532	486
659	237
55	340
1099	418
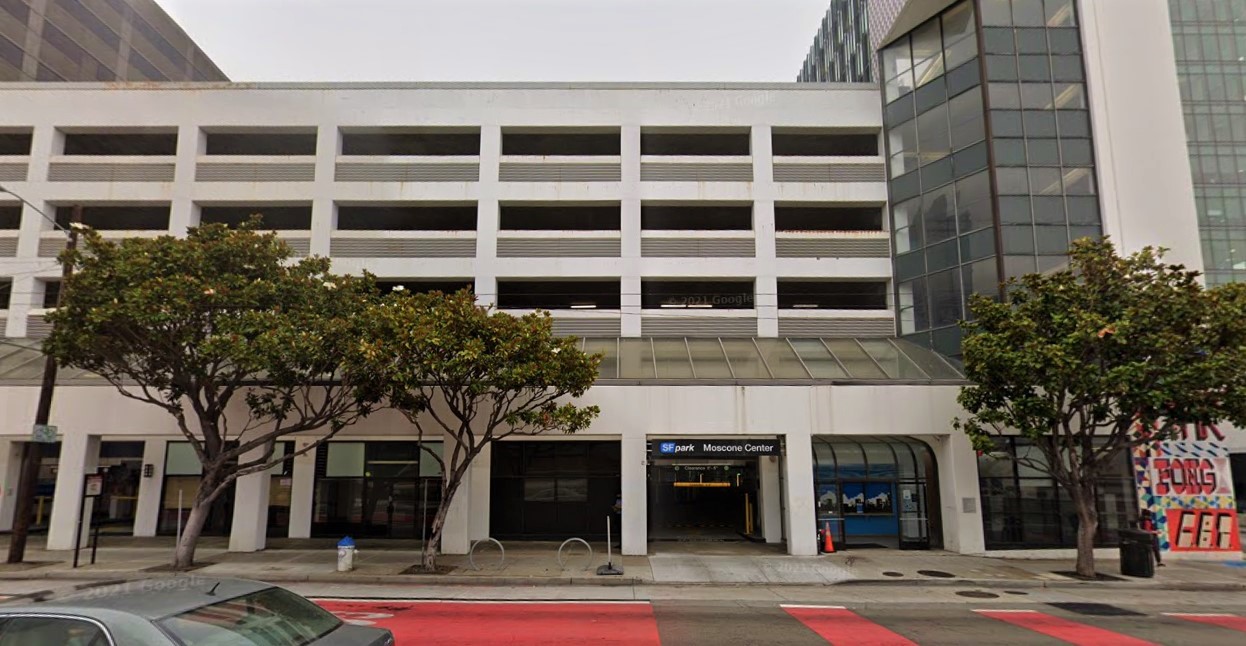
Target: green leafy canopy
1090	354
188	324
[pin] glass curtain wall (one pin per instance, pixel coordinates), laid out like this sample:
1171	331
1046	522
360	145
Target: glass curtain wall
990	159
1209	38
1024	508
376	489
874	492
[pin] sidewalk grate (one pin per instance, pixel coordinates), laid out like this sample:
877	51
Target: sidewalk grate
1095	609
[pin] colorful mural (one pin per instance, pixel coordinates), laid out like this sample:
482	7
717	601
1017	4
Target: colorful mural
1187	485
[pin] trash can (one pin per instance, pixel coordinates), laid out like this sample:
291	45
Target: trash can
1136	556
346	554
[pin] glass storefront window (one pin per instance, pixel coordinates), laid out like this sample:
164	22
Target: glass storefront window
345	459
181	460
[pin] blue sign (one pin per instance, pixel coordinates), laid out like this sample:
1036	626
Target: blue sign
666	447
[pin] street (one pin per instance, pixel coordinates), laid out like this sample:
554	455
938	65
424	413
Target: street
725	615
674	622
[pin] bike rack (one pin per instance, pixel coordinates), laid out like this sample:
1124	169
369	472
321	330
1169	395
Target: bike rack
471	553
561	563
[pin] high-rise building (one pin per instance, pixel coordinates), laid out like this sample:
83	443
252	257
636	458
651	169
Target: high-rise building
1013	127
841	51
97	40
1209	40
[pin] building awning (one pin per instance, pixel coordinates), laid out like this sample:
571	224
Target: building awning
671	361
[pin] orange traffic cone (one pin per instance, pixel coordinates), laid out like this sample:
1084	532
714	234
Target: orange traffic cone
828	545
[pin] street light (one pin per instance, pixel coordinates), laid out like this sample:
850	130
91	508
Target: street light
32	453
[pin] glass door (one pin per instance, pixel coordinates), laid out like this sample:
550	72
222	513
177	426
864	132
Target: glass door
914	517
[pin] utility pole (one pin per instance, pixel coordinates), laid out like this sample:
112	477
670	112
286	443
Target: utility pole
32	454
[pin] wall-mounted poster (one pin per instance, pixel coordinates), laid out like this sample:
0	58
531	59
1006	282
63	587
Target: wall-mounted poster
853	499
878	498
1186	485
828	500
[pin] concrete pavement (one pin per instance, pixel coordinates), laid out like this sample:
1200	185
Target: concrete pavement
670	564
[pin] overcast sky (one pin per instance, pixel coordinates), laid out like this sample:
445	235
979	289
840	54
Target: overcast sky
503	40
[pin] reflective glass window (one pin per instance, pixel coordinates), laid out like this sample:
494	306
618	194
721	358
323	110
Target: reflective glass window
1004	96
745	362
609	349
945	298
1067	68
850	460
978	245
636	359
967	120
1018	240
881	459
1044	181
1069	96
914	312
1079	181
1001	68
1048	209
1043	152
1028	13
998	40
708	359
1010	152
981	277
973	202
781	359
672	359
902	143
1050	240
854	359
1014	209
898	69
1035	68
1082	210
1012	181
996	12
1039	123
1031	41
1064	41
817	359
1060	13
1036	96
933	138
938	214
1073	123
908	233
896	364
927	52
1006	123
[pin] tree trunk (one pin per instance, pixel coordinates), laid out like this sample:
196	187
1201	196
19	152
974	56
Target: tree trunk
428	560
1087	528
184	555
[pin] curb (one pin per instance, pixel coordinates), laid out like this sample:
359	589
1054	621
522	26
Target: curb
467	581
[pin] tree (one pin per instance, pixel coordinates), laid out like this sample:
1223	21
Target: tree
1089	362
223	316
473	376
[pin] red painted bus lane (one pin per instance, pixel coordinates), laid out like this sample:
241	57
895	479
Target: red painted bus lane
840	626
1232	622
1069	631
516	624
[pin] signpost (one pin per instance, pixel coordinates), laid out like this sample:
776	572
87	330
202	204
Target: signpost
92	487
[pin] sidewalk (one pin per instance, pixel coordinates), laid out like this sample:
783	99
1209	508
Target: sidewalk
536	564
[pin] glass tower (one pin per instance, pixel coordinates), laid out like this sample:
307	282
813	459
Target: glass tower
991	163
841	51
1209	38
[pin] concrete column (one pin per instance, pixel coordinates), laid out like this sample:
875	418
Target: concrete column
480	474
456	534
324	211
635	490
959	496
770	509
801	508
630	231
250	526
182	210
79	456
487	215
766	288
302	493
147	510
10	475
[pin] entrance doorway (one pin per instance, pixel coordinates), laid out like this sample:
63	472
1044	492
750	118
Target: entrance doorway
703	499
873	491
